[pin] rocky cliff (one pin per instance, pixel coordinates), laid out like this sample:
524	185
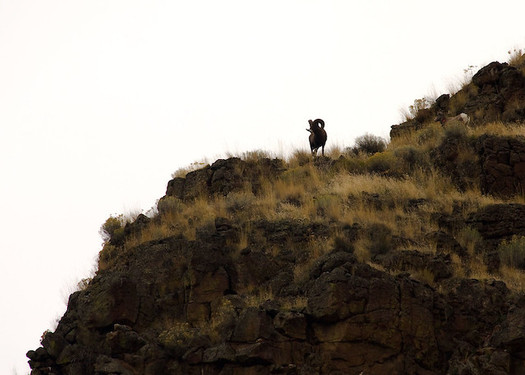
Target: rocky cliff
352	265
496	93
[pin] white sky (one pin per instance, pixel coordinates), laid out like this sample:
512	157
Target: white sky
101	100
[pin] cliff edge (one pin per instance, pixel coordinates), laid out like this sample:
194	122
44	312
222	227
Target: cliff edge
406	261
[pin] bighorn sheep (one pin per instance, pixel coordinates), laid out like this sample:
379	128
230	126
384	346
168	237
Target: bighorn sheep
317	136
462	117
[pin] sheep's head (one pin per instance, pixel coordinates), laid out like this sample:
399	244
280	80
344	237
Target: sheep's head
316	123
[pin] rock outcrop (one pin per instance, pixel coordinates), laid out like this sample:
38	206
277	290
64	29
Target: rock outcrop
502	165
180	306
288	292
496	93
180	310
494	164
499	222
500	94
224	176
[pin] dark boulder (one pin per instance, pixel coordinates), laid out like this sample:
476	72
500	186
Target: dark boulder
502	161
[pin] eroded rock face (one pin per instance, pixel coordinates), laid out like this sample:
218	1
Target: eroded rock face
367	321
464	172
511	334
502	161
178	307
501	93
223	177
498	222
496	164
497	93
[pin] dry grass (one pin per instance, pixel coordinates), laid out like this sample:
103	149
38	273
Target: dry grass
334	151
500	129
256	297
242	242
425	276
312	192
182	172
517	58
424	139
315	249
514	278
288	192
346	185
299	158
255	156
362	250
470	239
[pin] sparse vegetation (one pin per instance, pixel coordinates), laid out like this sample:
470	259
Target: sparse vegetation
417	109
192	167
392	190
512	253
517	58
369	144
113	229
386	241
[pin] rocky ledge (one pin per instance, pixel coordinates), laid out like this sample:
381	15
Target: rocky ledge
179	306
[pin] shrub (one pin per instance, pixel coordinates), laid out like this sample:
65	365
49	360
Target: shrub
169	204
410	157
429	136
112	231
512	253
381	162
420	105
351	164
369	144
106	256
417	110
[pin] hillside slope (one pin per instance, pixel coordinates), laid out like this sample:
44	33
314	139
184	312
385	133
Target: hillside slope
405	261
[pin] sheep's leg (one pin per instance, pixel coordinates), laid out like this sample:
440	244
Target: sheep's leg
322	150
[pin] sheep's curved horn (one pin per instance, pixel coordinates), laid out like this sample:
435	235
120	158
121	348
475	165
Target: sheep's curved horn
319	122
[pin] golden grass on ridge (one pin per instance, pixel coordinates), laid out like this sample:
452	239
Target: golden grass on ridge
354	193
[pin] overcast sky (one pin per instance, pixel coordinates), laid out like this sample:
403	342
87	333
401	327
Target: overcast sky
102	100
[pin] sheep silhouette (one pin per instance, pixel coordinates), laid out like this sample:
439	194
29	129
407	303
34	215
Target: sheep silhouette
317	136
